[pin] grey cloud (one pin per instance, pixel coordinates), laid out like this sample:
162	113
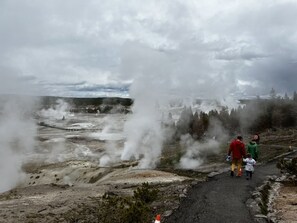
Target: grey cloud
70	84
188	48
12	82
277	73
239	54
97	87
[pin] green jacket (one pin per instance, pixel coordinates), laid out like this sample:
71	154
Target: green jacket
252	148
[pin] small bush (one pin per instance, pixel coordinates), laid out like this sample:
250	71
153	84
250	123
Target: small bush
145	195
116	209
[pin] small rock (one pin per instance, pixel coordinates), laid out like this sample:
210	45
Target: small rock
194	182
256	194
258	200
182	196
212	174
280	179
273	178
167	213
260	216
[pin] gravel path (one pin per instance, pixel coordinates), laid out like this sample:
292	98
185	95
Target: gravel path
221	199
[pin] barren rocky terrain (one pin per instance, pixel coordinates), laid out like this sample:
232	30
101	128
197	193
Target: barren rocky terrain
76	162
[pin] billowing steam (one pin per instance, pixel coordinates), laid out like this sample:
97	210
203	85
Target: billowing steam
111	133
58	111
144	140
195	151
17	131
144	134
154	89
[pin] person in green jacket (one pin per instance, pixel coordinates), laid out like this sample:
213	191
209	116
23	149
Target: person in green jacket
253	149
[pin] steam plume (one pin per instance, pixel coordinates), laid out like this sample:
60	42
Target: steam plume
17	131
17	127
153	89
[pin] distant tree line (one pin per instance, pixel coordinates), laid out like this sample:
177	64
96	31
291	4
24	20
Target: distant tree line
253	116
90	105
48	101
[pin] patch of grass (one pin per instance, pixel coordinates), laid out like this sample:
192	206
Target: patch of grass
12	194
145	194
116	209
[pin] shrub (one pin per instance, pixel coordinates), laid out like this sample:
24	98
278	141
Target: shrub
116	209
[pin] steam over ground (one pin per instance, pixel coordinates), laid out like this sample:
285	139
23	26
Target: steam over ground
17	132
153	52
156	84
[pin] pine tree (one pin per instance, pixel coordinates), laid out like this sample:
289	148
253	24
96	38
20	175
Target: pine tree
272	93
295	96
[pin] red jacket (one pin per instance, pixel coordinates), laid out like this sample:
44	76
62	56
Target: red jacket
237	149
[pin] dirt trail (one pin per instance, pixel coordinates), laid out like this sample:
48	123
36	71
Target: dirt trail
221	199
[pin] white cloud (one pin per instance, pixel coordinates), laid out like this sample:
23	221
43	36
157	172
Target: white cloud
205	45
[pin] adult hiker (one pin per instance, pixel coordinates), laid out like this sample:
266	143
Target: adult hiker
256	138
253	149
237	150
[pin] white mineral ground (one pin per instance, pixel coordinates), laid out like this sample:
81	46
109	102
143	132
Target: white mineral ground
64	169
78	159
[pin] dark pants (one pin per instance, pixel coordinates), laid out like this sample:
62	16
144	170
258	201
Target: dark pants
248	174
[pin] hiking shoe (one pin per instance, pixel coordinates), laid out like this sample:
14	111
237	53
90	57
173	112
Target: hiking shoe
239	173
232	174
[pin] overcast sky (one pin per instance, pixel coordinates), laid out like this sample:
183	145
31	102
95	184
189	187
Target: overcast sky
208	48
